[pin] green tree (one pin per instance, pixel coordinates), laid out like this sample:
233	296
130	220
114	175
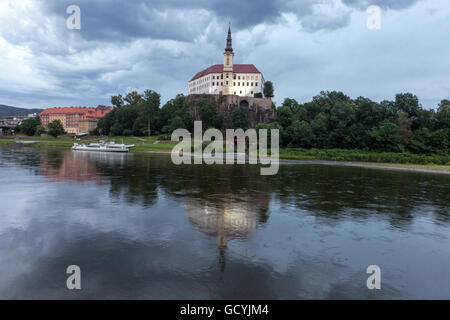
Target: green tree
29	126
117	101
104	124
407	102
149	109
176	107
443	115
175	123
117	129
258	95
386	137
40	130
133	98
268	89
240	118
284	116
301	134
319	129
208	114
55	128
419	141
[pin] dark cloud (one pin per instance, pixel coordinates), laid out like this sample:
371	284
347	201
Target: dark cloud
160	44
158	19
184	20
385	4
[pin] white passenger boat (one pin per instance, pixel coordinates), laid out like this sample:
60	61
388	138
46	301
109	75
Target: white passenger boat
109	146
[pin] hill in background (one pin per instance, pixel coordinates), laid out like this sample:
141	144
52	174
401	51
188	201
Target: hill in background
6	111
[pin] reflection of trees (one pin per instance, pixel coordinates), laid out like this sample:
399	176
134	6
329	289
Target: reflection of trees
135	179
18	154
331	192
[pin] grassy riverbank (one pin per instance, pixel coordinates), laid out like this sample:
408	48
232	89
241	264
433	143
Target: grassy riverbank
371	158
364	156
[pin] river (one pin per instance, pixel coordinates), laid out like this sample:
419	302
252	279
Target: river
140	227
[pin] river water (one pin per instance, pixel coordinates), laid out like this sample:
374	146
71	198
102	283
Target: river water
140	227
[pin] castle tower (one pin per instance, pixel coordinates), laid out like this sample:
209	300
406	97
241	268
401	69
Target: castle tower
228	66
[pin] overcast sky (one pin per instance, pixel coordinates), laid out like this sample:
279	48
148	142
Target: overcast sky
302	46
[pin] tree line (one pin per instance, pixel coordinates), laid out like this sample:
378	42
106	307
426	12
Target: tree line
330	120
334	120
32	126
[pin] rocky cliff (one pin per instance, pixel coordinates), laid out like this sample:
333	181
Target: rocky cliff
260	110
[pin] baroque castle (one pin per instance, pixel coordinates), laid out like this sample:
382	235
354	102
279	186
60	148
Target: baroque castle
228	78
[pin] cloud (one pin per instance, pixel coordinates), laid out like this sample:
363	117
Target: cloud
160	45
385	4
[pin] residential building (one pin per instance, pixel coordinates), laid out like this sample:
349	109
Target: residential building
74	119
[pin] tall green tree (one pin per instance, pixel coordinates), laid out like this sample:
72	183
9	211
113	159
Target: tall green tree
407	102
149	109
133	98
55	128
268	89
29	126
117	101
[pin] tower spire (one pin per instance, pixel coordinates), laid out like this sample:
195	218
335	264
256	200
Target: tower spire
229	47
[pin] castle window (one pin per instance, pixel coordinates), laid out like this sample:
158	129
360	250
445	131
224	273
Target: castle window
247	84
221	76
234	77
234	83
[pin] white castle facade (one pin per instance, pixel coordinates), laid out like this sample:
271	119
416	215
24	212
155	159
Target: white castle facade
228	78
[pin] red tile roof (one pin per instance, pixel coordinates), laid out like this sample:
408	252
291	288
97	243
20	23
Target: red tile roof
98	112
218	68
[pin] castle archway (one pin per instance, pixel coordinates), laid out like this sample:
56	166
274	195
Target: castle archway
243	103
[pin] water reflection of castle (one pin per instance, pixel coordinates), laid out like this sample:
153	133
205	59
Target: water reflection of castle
228	219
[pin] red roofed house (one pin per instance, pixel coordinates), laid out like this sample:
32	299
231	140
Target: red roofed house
74	119
228	78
